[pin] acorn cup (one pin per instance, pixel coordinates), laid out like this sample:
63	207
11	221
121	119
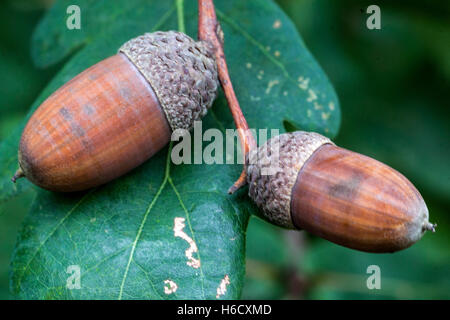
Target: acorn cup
118	113
336	194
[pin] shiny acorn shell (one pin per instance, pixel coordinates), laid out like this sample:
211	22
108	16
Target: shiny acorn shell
118	113
339	195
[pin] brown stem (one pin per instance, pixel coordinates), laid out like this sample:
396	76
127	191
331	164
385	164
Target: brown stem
209	30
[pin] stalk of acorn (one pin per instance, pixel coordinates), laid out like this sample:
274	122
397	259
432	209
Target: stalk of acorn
334	193
209	30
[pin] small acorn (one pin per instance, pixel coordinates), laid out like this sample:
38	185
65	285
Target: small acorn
336	194
118	113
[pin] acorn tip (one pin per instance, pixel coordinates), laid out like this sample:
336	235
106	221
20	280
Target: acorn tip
19	174
430	226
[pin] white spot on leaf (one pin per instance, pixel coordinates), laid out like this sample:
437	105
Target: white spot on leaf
170	286
260	74
276	24
178	232
317	106
303	83
325	115
312	95
270	85
222	288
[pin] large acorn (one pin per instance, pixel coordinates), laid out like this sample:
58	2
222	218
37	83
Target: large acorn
118	113
302	180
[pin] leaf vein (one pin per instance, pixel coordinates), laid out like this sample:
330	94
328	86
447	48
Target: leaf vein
51	234
144	219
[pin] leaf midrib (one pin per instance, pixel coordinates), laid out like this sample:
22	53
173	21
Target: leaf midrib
179	5
141	227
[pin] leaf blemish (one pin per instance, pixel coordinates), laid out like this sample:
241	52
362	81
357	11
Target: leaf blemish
303	83
325	115
331	106
248	65
260	74
222	288
270	85
312	95
170	286
178	232
276	24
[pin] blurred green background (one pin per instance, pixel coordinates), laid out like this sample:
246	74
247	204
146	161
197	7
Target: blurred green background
393	87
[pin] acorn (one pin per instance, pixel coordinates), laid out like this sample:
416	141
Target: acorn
339	195
115	115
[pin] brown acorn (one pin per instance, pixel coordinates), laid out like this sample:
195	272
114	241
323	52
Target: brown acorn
339	195
118	113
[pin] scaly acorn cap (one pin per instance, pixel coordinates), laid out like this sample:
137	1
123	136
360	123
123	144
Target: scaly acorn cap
181	71
272	170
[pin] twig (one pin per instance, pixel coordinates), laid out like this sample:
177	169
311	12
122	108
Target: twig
209	30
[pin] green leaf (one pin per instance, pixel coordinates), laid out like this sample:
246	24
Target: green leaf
125	236
21	83
9	227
